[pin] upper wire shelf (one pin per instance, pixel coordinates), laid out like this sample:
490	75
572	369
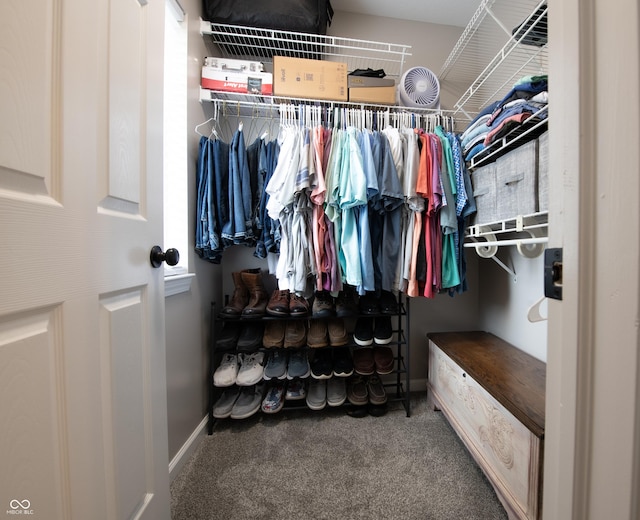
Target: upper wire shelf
235	41
481	51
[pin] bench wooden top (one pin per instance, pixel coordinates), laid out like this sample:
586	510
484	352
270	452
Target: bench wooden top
514	378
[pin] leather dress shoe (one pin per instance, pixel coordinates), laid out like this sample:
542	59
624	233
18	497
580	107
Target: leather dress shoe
278	303
298	305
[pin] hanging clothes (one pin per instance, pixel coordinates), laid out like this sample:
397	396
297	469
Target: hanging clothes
269	238
238	229
379	209
386	214
211	209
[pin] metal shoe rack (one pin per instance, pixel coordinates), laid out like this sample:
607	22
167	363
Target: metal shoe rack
396	384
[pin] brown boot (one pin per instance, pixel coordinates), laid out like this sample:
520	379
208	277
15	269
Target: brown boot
258	297
238	301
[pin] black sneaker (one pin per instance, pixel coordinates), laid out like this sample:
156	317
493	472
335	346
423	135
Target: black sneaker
342	362
322	305
321	364
376	410
250	337
368	304
388	303
228	336
346	305
363	333
382	333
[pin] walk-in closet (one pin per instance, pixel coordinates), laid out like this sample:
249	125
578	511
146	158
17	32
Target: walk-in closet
451	218
320	259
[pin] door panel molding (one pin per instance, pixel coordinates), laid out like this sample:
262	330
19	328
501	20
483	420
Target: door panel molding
34	447
29	101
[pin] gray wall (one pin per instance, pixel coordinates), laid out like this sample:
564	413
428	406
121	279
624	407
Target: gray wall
187	314
506	300
430	43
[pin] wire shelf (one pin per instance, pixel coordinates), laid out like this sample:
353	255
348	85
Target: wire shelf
482	59
239	42
533	127
517	224
244	104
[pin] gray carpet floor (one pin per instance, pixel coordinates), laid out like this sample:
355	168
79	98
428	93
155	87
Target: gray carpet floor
328	465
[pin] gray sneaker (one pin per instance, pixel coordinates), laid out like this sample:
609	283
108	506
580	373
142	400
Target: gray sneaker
317	394
336	391
224	404
248	402
298	364
251	370
276	366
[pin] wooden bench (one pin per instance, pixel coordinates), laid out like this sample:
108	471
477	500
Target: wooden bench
492	394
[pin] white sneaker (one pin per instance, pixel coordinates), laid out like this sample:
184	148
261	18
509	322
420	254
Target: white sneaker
226	373
251	370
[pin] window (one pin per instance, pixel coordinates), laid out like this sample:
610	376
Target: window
176	210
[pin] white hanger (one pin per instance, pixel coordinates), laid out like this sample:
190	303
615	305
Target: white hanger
213	130
533	314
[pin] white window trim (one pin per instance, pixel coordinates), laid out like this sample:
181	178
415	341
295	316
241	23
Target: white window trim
177	283
177	279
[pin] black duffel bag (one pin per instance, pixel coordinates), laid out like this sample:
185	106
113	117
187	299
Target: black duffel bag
306	16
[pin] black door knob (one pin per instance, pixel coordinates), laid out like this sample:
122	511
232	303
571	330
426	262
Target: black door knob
171	256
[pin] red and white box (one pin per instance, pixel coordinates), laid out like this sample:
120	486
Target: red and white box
244	77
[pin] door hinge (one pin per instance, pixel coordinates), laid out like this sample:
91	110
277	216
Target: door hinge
553	273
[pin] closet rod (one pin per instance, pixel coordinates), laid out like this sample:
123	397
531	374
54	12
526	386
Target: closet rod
273	102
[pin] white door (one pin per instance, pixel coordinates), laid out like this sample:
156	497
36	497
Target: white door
83	431
592	435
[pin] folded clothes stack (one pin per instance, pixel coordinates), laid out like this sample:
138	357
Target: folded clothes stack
522	103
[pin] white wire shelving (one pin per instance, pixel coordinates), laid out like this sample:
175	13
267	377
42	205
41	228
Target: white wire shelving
529	233
259	44
500	44
504	41
232	104
235	41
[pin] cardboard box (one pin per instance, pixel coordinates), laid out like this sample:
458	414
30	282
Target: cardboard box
310	79
365	81
241	82
382	95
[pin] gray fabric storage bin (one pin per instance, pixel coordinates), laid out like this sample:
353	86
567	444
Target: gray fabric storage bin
543	172
517	181
483	180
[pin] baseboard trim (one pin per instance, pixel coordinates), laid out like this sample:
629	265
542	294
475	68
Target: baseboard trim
418	385
187	449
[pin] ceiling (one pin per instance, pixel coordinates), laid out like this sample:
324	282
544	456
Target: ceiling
447	12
